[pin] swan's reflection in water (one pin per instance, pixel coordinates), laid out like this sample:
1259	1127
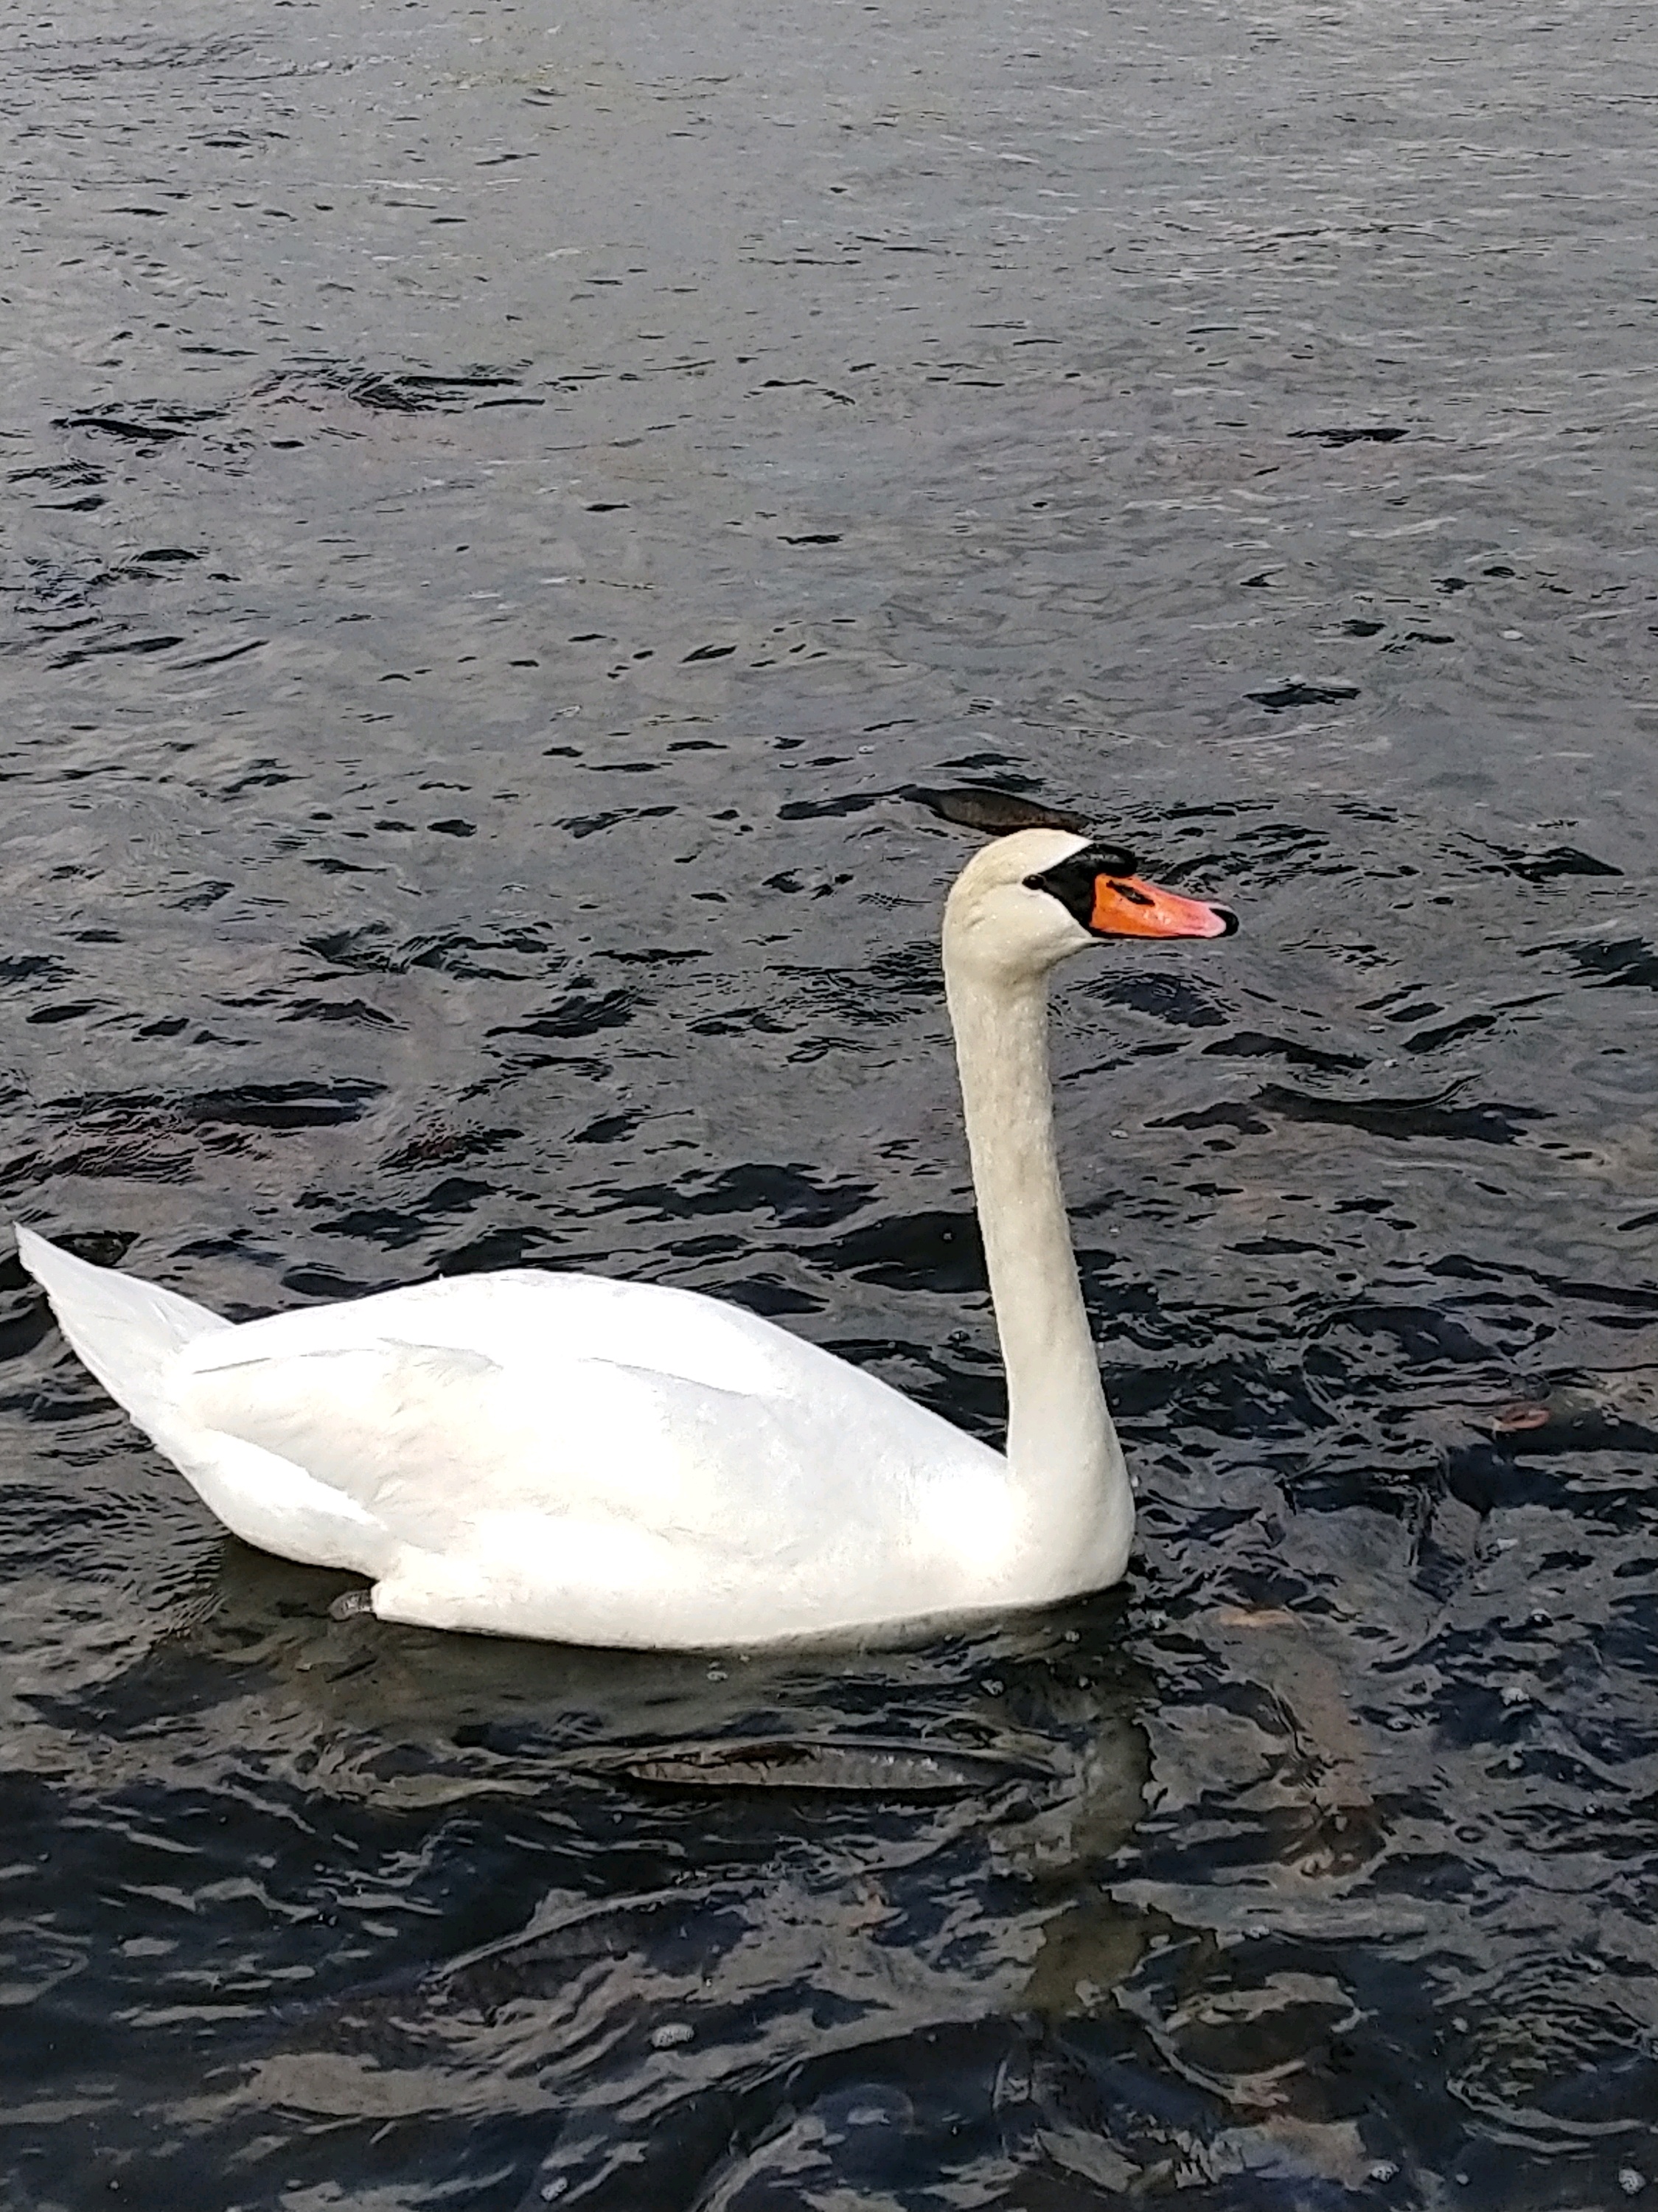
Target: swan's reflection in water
642	1908
631	1931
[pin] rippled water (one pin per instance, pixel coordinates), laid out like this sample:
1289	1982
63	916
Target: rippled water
496	504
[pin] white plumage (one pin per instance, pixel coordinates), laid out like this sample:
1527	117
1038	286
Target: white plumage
565	1456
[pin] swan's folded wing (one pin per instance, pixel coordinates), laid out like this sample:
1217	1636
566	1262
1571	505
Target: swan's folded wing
435	1442
396	1428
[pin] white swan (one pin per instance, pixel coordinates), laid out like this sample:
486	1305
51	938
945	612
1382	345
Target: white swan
564	1456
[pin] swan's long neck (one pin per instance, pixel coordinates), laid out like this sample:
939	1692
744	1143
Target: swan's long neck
1062	1449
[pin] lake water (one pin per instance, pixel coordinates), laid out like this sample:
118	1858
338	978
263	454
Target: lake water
498	501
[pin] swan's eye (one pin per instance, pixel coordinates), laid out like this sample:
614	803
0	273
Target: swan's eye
1074	882
1071	882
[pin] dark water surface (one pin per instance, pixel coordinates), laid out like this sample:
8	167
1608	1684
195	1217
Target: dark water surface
495	502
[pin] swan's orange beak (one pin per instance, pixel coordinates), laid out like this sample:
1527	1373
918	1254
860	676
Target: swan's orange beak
1127	906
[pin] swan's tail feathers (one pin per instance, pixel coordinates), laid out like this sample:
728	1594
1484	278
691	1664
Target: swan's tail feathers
125	1331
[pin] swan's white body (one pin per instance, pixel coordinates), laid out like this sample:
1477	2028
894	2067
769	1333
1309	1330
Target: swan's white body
564	1456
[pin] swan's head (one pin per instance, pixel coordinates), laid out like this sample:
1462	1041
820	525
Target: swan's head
1034	896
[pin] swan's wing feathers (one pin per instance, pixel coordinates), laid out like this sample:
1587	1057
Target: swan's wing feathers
399	1429
484	1420
435	1442
440	1366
